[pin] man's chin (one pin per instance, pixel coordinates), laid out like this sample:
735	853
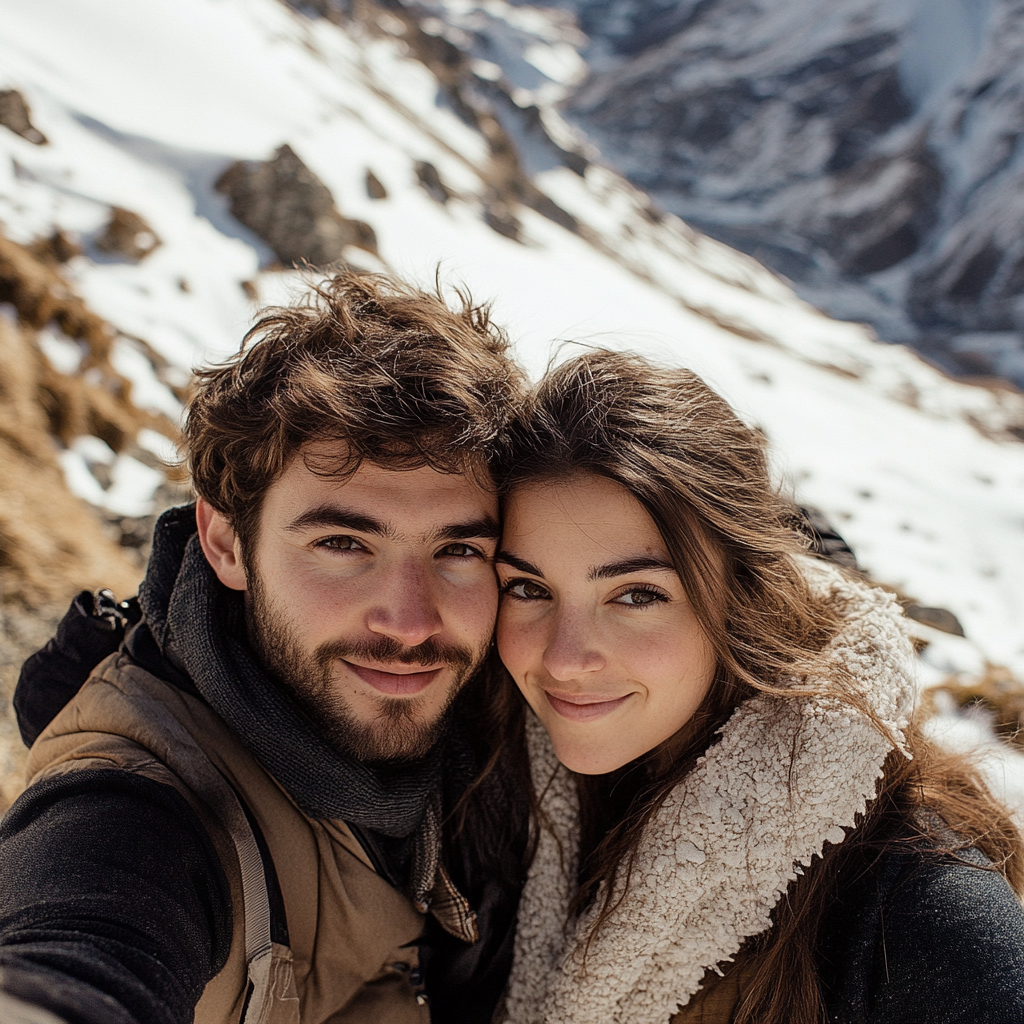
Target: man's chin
398	732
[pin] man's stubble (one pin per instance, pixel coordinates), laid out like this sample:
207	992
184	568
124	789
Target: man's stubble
396	733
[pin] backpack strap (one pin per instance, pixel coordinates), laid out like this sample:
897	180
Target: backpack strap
271	978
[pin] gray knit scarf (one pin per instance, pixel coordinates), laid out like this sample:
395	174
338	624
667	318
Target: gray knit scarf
200	625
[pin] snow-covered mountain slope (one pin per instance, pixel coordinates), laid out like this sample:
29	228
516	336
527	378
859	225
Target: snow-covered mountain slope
145	105
870	150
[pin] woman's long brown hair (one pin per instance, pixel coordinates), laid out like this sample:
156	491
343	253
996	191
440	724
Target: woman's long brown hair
703	477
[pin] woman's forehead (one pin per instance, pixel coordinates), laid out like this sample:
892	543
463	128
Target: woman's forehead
585	514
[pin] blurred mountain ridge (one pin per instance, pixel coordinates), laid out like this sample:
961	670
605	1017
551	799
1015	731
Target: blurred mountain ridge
868	150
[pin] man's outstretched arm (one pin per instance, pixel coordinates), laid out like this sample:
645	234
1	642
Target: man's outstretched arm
114	907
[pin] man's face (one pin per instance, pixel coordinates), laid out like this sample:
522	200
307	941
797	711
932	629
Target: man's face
373	598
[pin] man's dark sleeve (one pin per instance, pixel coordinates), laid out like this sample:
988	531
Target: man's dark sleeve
114	907
942	942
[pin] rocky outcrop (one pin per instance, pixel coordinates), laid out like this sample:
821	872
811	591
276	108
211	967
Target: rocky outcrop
431	182
57	249
16	116
454	49
374	186
127	236
292	210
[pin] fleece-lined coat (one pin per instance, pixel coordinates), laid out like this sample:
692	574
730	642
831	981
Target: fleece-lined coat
787	776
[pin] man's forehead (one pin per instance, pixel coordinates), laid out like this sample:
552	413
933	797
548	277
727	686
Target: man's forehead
334	458
423	484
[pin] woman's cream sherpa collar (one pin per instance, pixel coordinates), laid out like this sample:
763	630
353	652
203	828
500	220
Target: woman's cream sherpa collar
786	777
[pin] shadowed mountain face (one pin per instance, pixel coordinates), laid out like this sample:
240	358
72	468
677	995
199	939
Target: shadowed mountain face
869	150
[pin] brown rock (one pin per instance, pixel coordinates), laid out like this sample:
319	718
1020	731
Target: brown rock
59	248
374	186
127	235
292	210
938	618
39	294
430	180
499	217
15	115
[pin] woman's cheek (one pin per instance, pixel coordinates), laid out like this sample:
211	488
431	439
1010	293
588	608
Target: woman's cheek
516	644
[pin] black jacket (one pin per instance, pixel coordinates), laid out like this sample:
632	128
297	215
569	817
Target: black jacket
919	936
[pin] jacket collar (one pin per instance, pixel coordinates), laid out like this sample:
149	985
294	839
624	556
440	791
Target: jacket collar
788	775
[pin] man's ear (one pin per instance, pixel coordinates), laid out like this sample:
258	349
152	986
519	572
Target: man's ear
220	545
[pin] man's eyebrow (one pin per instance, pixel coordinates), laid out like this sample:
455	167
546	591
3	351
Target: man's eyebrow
641	563
518	563
485	526
337	518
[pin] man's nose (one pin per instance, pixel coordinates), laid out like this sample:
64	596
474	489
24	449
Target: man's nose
405	607
572	650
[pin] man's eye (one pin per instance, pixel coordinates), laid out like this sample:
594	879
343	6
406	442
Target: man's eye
340	544
525	590
459	551
640	597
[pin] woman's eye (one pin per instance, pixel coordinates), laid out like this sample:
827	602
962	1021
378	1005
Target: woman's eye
340	544
459	551
640	597
525	590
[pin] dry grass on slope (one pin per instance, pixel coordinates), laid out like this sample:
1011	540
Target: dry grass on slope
51	543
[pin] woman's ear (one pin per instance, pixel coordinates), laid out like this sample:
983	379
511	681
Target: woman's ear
220	545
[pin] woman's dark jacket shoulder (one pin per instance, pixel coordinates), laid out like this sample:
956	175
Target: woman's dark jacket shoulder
922	934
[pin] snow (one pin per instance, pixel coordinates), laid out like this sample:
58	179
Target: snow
159	445
146	104
971	733
147	392
943	41
63	354
130	484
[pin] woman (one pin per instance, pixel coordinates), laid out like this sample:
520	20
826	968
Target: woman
745	823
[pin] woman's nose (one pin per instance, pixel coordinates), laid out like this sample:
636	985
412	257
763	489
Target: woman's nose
572	649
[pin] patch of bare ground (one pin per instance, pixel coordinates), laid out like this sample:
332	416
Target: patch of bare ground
22	631
52	544
998	692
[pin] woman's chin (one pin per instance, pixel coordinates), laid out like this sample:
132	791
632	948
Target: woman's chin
589	759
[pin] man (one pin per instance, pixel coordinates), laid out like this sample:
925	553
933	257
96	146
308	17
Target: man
261	808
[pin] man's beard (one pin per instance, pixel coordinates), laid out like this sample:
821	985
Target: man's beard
395	734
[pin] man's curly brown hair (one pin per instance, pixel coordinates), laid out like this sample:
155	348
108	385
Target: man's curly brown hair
392	373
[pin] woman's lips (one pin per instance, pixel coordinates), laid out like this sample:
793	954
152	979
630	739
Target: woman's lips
584	707
402	683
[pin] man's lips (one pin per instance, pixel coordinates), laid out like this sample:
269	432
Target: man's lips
584	707
399	680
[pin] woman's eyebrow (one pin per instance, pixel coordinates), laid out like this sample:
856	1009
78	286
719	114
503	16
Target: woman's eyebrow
641	563
518	563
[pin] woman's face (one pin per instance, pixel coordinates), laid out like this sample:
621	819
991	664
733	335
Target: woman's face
594	624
